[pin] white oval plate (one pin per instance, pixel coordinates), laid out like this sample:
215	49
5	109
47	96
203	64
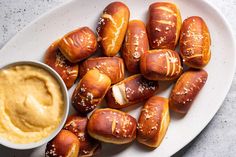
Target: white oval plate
31	43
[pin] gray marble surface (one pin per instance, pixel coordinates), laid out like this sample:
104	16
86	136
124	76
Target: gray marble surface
217	139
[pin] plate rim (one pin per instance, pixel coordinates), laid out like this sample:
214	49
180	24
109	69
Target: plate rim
233	70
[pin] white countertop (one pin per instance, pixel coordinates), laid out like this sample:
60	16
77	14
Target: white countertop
217	139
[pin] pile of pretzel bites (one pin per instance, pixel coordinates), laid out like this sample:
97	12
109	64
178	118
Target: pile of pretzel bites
148	53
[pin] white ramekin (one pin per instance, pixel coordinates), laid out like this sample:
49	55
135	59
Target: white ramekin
9	144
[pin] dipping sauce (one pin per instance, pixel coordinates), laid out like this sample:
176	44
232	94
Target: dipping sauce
31	104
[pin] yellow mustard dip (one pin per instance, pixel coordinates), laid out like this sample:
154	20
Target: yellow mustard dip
31	104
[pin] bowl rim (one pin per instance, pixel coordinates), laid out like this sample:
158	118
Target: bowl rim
64	91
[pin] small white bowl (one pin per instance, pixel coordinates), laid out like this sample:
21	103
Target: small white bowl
9	144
